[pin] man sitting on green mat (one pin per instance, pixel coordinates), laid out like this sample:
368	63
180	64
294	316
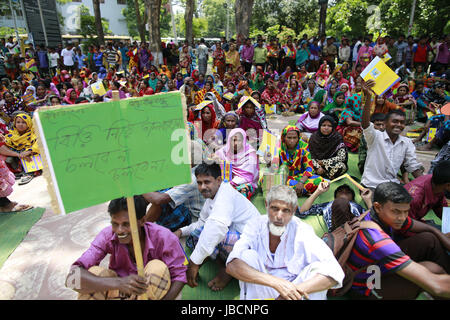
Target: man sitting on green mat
158	245
280	257
387	150
336	212
221	221
427	191
404	265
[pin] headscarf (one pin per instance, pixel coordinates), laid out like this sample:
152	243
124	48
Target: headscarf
214	124
25	141
307	94
385	107
294	97
333	104
352	109
67	97
179	82
244	163
32	88
292	160
259	115
323	146
407	96
309	123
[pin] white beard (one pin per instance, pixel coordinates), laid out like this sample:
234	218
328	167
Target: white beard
275	230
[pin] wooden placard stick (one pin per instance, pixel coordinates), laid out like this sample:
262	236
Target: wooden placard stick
134	228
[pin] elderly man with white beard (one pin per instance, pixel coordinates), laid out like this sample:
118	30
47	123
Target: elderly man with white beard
280	257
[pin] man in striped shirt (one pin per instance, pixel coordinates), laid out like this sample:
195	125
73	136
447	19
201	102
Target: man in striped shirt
405	266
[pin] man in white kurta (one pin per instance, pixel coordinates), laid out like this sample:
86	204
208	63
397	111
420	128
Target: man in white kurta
221	221
293	265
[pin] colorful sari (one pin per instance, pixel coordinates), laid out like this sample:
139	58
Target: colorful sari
22	141
351	134
299	163
245	165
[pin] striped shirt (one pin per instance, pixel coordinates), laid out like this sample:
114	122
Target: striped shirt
375	247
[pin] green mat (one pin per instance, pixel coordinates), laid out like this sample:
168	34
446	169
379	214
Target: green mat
13	229
231	291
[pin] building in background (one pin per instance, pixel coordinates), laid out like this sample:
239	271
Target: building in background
111	10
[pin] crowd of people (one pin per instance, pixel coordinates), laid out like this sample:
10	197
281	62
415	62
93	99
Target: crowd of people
231	88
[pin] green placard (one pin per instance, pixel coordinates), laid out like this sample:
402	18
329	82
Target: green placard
98	152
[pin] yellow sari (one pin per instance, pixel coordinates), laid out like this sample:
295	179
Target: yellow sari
25	141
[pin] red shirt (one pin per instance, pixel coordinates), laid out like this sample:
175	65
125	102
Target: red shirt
420	53
424	199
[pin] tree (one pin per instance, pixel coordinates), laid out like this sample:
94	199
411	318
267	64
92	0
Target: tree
88	27
154	10
188	18
215	12
98	21
323	16
243	14
140	25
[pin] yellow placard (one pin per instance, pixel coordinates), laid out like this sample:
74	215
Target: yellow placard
431	134
383	76
33	165
270	108
268	144
228	96
98	88
412	134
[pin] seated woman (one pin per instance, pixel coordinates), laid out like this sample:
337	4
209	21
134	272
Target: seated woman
207	124
405	100
8	106
258	84
311	90
350	123
22	139
293	97
308	122
71	97
271	95
294	154
201	95
244	161
382	105
328	151
251	117
7	179
229	122
335	108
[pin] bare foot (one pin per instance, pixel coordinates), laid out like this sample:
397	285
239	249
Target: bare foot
220	281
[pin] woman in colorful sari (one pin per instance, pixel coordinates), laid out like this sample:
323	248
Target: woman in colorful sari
232	59
293	97
382	105
208	123
244	161
380	49
295	155
22	139
200	96
405	100
350	123
323	73
308	122
271	95
71	97
335	108
328	151
251	118
302	54
289	56
258	83
185	61
219	60
311	90
145	56
179	80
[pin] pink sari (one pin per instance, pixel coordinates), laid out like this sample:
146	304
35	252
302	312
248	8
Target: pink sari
245	166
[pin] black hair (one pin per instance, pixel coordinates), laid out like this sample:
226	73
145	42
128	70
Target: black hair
346	188
392	112
377	117
391	191
205	169
120	204
441	173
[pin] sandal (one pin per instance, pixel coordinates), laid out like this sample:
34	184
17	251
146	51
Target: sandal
25	179
17	208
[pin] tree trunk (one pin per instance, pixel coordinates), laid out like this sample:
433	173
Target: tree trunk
188	17
140	25
98	21
153	8
323	17
243	14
